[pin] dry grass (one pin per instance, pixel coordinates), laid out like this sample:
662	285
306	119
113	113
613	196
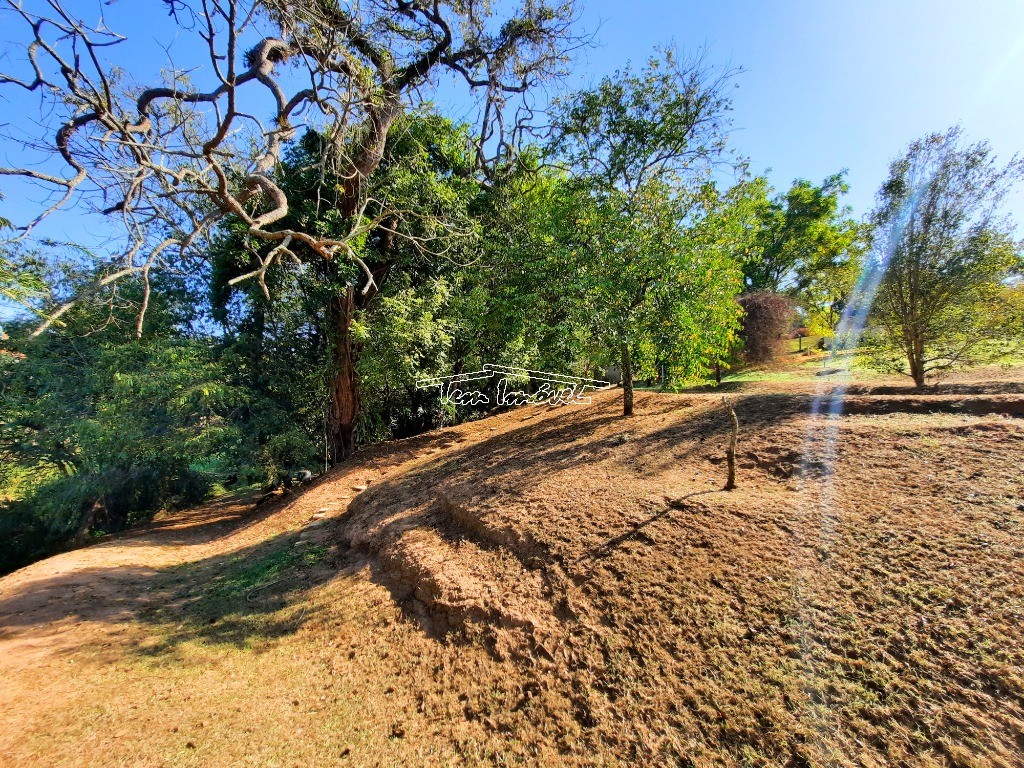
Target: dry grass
563	587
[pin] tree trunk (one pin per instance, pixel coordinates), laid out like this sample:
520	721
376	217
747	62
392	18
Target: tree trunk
344	395
627	381
82	534
718	373
915	356
344	405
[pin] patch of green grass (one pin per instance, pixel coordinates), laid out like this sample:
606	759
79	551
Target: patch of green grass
802	345
243	574
759	374
241	600
807	369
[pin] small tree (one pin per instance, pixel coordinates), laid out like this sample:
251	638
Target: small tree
644	145
947	255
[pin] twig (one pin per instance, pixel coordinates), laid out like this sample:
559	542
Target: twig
730	453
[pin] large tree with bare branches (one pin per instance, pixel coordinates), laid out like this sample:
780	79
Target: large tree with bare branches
168	161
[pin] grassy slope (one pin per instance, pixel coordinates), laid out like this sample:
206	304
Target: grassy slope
564	587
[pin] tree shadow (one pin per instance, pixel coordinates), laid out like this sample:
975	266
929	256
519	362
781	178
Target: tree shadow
941	388
510	461
608	547
238	598
260	592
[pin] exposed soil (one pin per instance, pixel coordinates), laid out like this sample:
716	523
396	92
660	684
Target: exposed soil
564	586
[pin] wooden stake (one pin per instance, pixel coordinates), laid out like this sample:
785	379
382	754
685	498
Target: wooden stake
730	453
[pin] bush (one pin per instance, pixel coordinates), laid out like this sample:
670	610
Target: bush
767	318
67	510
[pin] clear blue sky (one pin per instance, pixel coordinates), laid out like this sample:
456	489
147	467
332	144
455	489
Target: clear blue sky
833	84
828	85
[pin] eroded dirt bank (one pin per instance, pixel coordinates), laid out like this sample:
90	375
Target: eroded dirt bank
561	586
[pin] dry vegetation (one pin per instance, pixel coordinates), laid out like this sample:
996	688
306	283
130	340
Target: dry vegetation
563	587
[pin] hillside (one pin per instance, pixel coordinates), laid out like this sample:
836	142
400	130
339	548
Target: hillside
563	586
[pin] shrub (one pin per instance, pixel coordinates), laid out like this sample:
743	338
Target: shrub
767	318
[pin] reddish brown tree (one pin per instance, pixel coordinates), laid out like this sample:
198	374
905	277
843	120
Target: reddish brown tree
767	318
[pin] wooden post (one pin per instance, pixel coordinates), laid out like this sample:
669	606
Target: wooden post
730	453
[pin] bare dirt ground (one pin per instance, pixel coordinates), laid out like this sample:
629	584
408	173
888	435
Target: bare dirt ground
562	586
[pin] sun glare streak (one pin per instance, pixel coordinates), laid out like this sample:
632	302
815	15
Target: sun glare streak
817	501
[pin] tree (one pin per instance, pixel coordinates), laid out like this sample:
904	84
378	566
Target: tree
945	253
420	192
643	146
802	234
767	317
808	249
825	296
99	429
166	161
658	293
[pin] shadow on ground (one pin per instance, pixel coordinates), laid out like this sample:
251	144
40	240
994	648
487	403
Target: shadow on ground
240	598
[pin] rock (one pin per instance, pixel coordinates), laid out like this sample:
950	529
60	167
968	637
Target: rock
358	488
346	751
318	515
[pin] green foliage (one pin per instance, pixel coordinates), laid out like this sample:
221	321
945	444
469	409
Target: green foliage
664	288
408	337
671	117
652	246
100	429
826	294
803	235
20	280
616	244
19	283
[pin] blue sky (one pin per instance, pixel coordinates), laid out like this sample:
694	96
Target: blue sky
833	84
827	85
